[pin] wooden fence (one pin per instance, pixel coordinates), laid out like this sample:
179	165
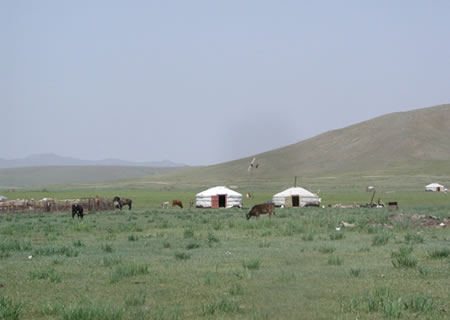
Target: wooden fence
52	205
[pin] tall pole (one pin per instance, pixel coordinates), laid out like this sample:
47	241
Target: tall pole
251	167
251	183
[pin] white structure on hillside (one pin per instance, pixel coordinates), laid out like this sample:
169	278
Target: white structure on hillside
218	197
295	197
435	187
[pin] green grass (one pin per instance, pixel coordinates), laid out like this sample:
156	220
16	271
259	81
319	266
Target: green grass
154	263
10	309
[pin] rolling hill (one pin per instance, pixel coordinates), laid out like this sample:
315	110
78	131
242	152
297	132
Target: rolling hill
412	146
412	143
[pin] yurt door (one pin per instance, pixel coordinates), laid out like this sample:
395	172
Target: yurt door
222	200
288	202
295	201
214	202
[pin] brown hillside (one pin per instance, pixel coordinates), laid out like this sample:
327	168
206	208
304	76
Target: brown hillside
413	142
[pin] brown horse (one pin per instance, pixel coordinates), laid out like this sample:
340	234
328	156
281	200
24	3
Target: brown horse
177	203
119	203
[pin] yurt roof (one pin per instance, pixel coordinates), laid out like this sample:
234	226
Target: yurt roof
434	185
218	190
294	191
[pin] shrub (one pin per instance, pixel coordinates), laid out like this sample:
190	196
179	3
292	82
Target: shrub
50	309
49	274
77	243
183	256
292	229
355	272
166	244
90	311
413	238
334	261
308	237
137	299
107	248
439	253
227	305
132	237
380	239
264	244
188	233
327	250
212	238
208	309
48	251
14	245
125	271
403	259
9	309
236	290
217	225
5	254
224	305
420	303
337	236
253	264
111	261
192	245
244	273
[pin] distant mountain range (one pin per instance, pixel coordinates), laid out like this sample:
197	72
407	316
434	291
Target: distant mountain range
50	159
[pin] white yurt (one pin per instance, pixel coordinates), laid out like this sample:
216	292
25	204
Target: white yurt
434	187
218	197
295	197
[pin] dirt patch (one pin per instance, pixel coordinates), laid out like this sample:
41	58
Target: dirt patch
419	220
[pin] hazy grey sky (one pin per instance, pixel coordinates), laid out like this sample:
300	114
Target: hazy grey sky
203	82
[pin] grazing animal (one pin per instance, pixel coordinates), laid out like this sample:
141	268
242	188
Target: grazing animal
347	225
177	203
261	209
77	209
119	203
165	204
191	203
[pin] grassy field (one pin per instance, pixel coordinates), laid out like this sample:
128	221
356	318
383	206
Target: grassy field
152	263
153	198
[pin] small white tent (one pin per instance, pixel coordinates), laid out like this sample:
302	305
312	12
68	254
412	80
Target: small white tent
434	187
295	197
218	197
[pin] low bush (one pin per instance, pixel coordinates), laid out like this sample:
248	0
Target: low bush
439	253
9	309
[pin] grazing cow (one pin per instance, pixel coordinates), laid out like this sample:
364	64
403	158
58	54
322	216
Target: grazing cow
261	209
191	203
119	203
177	203
77	209
165	204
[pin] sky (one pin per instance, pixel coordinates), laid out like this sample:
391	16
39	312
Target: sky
205	82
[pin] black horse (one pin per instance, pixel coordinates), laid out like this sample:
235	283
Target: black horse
119	203
77	209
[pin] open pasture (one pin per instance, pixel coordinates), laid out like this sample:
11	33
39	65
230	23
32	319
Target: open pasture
153	263
143	199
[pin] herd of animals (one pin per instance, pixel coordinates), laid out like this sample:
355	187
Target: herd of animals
119	203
